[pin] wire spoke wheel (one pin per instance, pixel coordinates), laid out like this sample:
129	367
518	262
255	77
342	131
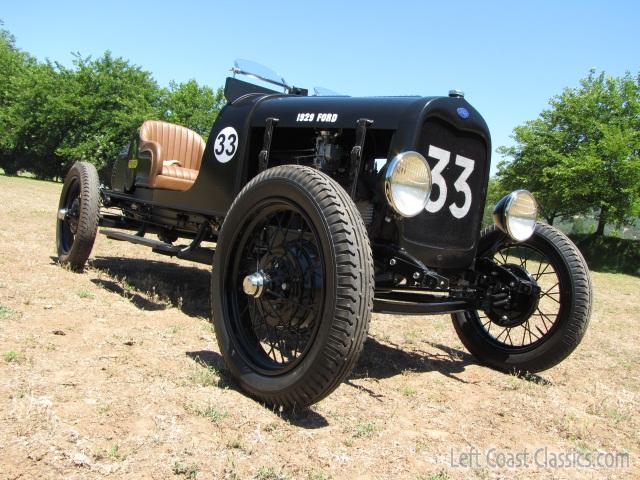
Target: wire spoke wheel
68	216
534	328
539	320
277	324
292	286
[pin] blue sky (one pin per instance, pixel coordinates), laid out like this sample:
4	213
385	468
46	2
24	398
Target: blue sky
509	57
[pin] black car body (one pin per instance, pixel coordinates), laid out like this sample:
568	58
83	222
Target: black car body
394	124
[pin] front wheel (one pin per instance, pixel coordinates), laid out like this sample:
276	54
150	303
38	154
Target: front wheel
543	329
292	286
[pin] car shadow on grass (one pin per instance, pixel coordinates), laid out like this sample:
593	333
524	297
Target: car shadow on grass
153	285
301	417
378	361
383	360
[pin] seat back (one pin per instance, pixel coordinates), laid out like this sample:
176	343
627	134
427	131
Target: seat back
177	143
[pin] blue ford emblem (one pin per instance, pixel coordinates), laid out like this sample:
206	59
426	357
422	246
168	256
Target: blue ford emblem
463	112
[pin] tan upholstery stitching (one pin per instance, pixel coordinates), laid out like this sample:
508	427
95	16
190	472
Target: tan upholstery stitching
168	142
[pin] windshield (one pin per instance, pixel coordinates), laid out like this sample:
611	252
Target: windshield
266	75
326	92
258	72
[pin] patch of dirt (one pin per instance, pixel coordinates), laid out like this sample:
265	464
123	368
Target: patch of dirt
116	373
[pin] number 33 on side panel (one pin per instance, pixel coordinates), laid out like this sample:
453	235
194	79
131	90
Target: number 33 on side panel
226	144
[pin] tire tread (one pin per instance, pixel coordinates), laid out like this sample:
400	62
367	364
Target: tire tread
573	327
354	285
87	175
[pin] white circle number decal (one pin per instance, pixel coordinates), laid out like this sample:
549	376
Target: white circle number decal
226	144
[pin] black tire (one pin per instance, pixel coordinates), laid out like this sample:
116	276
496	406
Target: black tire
543	349
76	229
340	291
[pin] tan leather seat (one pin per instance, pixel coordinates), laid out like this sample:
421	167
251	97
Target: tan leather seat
176	154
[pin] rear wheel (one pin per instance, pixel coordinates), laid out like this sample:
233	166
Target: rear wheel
535	332
292	286
78	211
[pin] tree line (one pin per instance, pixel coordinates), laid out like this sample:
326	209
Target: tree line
52	115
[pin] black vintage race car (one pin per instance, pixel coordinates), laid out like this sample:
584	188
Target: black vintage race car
324	209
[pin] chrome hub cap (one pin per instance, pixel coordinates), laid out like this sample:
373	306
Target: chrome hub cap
253	285
62	214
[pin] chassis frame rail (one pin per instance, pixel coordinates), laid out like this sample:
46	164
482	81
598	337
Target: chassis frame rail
416	303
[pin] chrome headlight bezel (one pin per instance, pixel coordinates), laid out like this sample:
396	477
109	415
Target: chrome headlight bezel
516	215
399	198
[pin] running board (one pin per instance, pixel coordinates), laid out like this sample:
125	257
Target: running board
200	255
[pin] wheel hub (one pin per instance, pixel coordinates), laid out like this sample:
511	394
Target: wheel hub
279	272
284	284
71	215
511	307
254	284
62	214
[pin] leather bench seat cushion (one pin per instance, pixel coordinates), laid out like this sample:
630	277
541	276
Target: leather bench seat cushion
179	172
174	177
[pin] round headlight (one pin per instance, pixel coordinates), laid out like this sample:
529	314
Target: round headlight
407	183
516	214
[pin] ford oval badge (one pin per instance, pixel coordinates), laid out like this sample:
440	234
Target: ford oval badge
463	112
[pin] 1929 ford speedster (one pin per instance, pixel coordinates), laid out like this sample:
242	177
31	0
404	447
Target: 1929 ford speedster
324	209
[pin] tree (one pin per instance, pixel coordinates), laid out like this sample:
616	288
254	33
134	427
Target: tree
193	106
14	67
582	154
43	115
495	191
535	167
110	99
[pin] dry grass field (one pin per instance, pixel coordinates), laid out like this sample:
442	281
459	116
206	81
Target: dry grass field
115	373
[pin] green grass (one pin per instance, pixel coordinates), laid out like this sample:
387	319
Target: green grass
5	311
85	294
210	412
411	336
214	414
238	444
204	374
364	429
515	383
113	453
617	414
409	391
12	357
268	473
187	471
441	475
